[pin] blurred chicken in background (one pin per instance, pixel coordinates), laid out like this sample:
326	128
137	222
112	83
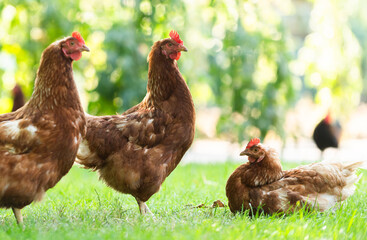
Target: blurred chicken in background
327	134
18	98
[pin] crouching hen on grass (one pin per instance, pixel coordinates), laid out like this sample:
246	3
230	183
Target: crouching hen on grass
261	184
39	142
136	151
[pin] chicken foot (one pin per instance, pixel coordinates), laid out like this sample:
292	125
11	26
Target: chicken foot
18	216
144	210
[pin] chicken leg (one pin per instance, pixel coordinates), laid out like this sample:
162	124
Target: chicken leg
143	208
18	216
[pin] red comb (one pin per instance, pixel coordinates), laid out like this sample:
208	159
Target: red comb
174	35
328	118
253	142
78	36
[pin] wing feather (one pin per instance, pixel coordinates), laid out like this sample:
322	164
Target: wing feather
18	136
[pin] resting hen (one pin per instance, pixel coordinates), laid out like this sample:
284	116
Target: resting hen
135	152
327	134
18	98
39	142
262	184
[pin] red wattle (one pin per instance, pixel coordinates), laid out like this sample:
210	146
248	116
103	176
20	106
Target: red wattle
175	56
251	159
76	56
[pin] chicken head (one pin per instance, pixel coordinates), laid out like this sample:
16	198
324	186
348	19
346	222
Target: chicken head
172	47
254	151
74	46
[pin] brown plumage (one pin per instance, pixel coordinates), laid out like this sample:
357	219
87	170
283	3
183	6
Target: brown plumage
39	142
18	98
262	183
136	151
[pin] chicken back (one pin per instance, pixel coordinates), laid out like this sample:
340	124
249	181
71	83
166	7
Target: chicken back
136	151
262	185
39	142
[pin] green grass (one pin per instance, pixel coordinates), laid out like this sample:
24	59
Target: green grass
81	207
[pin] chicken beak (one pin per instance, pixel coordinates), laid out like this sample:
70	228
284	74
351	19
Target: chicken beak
84	48
243	153
181	47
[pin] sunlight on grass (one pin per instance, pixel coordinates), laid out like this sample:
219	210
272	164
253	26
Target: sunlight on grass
81	207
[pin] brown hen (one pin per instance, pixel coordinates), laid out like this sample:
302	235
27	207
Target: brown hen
261	184
39	142
136	151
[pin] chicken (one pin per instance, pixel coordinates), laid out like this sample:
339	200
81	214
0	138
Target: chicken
261	184
134	152
39	142
327	134
18	98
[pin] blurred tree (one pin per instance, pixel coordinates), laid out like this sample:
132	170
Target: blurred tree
358	23
248	58
330	58
252	81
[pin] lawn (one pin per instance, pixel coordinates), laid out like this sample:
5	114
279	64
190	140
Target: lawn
81	207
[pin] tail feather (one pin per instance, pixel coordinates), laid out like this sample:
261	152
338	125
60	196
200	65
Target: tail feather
355	165
345	175
349	172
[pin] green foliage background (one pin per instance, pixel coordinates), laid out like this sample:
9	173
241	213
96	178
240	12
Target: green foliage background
253	59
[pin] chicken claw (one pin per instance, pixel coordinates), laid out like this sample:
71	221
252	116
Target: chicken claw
18	216
144	210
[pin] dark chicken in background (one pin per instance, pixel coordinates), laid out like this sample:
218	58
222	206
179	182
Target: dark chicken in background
18	98
327	133
262	185
134	152
39	142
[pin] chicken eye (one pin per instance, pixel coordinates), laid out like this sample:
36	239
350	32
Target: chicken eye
255	150
169	44
72	43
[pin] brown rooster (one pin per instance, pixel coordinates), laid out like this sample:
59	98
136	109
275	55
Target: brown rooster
39	142
262	184
18	98
136	151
